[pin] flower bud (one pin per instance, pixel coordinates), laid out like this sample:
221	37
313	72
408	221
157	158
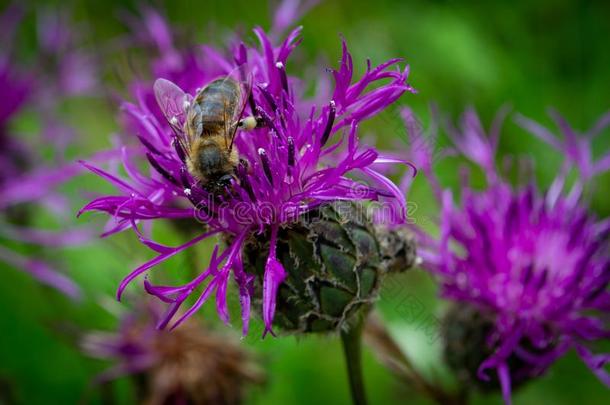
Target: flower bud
466	333
335	259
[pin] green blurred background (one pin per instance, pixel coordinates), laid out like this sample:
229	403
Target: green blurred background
529	54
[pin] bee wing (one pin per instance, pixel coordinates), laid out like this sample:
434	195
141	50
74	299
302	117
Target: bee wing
173	102
245	85
244	81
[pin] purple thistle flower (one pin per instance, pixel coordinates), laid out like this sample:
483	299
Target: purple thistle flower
191	365
15	186
71	66
26	178
534	264
132	346
287	168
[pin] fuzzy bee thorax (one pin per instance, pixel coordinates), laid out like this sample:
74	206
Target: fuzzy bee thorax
209	158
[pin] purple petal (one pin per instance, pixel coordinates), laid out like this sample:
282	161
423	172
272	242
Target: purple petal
273	277
596	363
221	297
159	259
504	376
70	237
42	272
288	12
539	131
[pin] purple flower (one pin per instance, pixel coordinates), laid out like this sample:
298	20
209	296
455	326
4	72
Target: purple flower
66	61
65	68
286	168
537	262
28	180
191	365
132	346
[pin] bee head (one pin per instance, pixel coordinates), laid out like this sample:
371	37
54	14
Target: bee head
219	186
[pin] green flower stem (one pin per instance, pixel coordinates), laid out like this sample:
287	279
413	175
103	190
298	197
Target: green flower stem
352	347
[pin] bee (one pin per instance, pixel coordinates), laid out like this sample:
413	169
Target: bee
211	120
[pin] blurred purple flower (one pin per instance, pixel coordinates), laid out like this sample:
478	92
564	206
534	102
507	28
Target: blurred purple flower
66	68
13	156
151	30
15	91
71	67
132	346
27	180
191	365
577	147
287	13
538	262
285	169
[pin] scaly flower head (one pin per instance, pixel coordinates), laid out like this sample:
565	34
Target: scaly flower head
529	270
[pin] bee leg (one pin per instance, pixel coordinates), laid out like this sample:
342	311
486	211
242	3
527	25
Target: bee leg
250	123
